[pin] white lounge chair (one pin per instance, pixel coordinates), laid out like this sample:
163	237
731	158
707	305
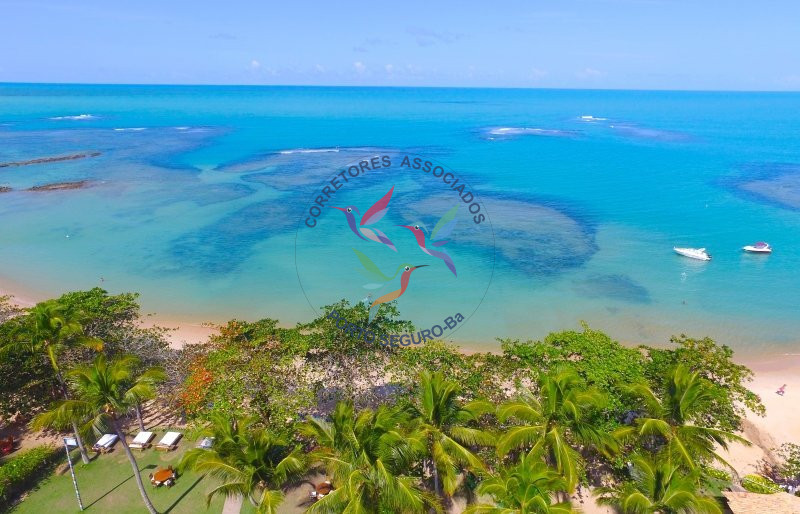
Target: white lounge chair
105	443
169	441
142	441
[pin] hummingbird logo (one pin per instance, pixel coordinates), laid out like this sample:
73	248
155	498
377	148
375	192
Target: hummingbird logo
373	215
437	237
381	279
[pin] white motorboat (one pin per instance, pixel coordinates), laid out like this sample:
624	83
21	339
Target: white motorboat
693	253
760	247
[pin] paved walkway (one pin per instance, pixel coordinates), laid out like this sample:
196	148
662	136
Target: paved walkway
232	505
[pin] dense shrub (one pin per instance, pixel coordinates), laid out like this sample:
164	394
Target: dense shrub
790	467
759	484
717	474
22	471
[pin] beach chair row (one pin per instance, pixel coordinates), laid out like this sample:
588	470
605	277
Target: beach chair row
142	441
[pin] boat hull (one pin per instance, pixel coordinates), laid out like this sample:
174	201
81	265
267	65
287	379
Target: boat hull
691	253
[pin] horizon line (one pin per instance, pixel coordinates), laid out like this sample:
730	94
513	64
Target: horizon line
372	86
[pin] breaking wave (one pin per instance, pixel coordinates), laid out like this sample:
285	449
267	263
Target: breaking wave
76	117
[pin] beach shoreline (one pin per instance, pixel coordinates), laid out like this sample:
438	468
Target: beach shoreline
781	424
182	330
179	332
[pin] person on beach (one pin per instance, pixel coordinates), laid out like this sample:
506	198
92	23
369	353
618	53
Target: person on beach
781	391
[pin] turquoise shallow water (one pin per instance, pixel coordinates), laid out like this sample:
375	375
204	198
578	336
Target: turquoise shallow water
198	193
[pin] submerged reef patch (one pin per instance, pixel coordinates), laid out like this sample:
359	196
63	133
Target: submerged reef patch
635	131
60	186
776	184
493	133
45	160
535	236
615	287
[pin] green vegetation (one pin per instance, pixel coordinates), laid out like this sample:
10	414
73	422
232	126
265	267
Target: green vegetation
250	462
526	487
107	486
557	422
394	429
50	329
104	391
658	485
675	419
444	424
21	471
759	484
789	469
790	454
368	456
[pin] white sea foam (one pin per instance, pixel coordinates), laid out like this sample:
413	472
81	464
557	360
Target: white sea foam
130	129
182	128
523	131
309	150
589	117
632	130
76	117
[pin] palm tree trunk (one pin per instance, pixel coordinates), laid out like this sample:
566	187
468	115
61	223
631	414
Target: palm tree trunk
435	473
78	439
138	409
81	446
136	474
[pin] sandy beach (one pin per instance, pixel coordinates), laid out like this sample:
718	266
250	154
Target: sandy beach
178	333
782	421
780	425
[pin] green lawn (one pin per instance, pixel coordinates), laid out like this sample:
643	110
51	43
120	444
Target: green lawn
107	485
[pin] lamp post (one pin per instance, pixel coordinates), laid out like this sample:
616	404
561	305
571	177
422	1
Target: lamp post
70	441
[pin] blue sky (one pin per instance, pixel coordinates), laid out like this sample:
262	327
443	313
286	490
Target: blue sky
628	44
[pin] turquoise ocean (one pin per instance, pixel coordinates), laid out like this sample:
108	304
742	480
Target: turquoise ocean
196	195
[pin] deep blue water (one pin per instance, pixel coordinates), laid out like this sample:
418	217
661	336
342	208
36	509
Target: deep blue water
198	192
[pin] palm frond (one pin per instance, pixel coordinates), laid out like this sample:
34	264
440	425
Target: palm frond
517	437
270	501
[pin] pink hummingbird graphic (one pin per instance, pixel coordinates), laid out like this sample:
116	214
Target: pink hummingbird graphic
373	215
405	276
373	271
442	229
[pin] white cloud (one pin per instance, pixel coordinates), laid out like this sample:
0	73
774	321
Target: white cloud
254	64
320	68
428	37
791	81
359	67
590	73
537	74
370	43
413	70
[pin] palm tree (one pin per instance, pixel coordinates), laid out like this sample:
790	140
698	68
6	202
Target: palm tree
658	486
367	455
670	419
441	418
104	391
49	329
558	421
137	407
528	487
248	460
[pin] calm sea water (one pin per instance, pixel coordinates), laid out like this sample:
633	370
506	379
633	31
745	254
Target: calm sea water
196	196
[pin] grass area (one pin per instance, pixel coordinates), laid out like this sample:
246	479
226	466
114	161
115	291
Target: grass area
107	485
